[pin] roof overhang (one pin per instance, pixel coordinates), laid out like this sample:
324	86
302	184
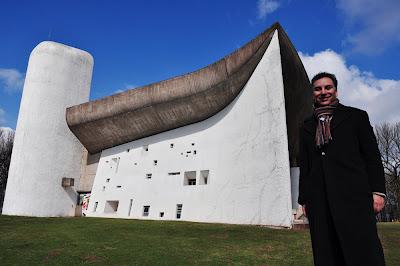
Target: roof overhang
178	101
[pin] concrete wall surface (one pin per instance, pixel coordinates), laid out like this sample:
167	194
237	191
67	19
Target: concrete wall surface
243	151
88	171
45	150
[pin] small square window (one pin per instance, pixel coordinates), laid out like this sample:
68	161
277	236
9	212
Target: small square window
171	145
189	178
155	162
148	176
111	206
146	210
161	214
204	177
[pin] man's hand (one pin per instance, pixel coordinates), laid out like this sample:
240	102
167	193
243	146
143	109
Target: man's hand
303	208
379	203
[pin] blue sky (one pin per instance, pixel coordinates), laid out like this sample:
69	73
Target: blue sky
135	43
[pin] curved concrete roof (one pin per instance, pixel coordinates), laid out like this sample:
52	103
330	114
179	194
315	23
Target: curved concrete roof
171	103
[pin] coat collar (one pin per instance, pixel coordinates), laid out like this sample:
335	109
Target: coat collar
340	114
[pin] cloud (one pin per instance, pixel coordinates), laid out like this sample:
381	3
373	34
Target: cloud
373	25
12	79
265	7
125	88
379	97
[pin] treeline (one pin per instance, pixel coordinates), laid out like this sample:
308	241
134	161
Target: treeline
6	145
388	137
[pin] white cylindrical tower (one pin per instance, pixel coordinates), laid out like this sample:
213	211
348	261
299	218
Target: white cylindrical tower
45	150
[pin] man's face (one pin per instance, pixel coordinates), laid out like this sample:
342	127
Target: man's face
324	91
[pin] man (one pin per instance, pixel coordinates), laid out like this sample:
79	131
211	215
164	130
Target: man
342	182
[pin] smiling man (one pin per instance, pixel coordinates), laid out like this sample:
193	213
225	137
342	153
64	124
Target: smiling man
342	183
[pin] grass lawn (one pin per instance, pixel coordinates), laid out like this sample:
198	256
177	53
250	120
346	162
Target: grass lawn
59	241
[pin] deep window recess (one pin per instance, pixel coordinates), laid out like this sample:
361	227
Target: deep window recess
128	150
119	186
148	176
111	206
194	152
204	177
146	210
95	206
146	147
178	211
108	180
116	163
130	207
155	162
192	144
171	145
189	178
161	214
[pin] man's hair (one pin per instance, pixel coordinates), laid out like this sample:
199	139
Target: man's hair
321	75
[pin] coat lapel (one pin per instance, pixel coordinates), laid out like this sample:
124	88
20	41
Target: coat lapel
341	113
310	125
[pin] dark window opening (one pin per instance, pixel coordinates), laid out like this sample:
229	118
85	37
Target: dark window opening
146	210
178	211
174	173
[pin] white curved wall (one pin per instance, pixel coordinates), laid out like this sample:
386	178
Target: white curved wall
45	150
244	147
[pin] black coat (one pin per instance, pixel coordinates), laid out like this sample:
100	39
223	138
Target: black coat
336	185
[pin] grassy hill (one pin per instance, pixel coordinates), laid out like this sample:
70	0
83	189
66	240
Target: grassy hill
62	241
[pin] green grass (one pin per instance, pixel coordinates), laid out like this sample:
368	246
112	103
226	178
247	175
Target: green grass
59	241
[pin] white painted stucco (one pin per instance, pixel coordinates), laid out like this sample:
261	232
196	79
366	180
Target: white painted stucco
45	150
244	147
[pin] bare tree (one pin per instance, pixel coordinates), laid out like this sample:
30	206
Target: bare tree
388	137
6	145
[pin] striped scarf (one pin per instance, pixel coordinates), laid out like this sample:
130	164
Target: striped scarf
323	114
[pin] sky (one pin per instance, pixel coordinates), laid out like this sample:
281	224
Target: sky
135	43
